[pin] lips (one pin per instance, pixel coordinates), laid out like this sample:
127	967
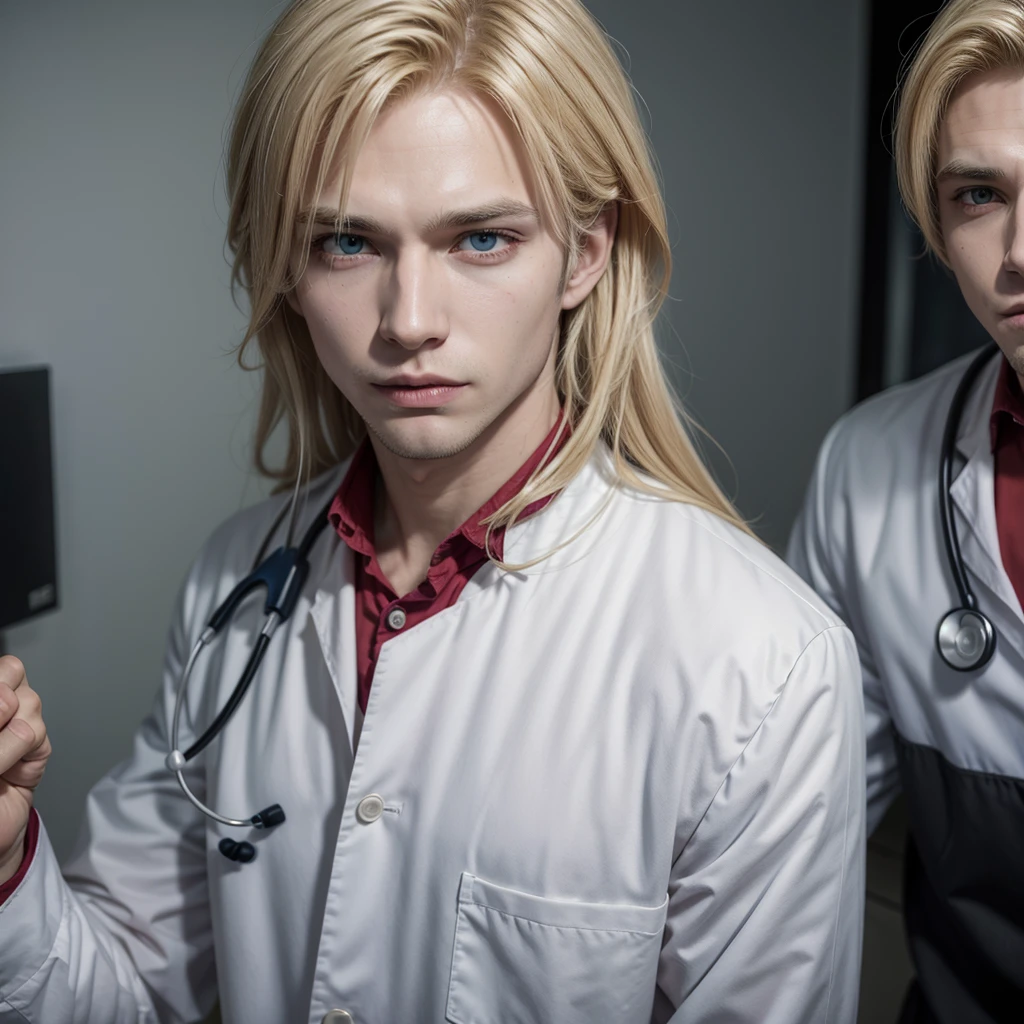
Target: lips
407	381
420	392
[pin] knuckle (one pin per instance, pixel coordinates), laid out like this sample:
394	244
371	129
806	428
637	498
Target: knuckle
43	748
27	774
12	670
29	701
22	730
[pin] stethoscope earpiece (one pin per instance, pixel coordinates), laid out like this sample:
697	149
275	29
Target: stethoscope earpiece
243	851
966	639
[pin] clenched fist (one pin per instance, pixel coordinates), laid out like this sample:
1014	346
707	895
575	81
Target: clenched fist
24	751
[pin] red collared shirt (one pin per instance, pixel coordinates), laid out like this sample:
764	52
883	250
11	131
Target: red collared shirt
1007	426
380	612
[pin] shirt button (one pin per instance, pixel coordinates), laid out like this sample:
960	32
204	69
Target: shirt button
369	809
337	1017
396	618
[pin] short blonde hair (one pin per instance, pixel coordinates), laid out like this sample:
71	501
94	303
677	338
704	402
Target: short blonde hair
325	72
967	37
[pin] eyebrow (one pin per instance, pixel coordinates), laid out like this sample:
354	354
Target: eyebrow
357	224
492	211
962	169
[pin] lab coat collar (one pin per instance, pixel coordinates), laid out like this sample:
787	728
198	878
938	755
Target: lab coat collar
973	491
973	432
553	533
556	534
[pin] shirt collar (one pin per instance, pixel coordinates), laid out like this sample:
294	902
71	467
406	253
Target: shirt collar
1007	406
351	513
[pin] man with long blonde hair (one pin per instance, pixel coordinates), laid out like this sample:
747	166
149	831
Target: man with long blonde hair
913	532
554	737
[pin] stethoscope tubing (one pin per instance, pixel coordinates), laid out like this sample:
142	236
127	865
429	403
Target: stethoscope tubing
949	532
965	637
283	574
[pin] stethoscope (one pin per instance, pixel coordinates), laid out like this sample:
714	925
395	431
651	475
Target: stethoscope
283	574
966	638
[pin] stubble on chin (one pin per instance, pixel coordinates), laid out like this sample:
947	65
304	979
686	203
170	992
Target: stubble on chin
425	449
1015	357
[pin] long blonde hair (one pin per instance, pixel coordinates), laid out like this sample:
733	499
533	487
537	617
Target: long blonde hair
324	73
967	37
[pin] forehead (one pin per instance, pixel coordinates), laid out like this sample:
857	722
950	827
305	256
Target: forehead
985	118
442	149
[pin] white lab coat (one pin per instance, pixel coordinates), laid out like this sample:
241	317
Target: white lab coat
630	775
869	540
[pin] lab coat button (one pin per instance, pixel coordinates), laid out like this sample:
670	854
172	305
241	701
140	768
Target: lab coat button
337	1017
369	809
396	618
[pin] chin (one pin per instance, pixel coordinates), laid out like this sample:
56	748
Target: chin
411	443
1014	352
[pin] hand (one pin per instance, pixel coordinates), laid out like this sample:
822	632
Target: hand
24	751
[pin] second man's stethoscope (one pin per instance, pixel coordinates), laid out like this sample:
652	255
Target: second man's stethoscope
966	638
282	574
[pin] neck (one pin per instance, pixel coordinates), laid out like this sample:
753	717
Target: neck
422	501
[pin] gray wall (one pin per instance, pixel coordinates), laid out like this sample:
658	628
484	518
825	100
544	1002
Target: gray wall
756	119
111	269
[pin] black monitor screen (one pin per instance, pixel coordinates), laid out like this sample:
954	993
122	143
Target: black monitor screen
28	557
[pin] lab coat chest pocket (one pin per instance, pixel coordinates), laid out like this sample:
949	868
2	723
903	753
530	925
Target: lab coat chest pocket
523	959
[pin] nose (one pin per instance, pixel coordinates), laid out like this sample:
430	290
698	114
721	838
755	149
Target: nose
414	308
1013	260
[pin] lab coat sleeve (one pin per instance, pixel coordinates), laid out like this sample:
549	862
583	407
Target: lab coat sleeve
124	935
766	898
822	549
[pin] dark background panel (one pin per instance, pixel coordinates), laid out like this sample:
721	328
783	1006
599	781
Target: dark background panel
913	318
28	557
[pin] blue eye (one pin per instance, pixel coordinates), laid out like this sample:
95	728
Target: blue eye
344	245
482	241
980	196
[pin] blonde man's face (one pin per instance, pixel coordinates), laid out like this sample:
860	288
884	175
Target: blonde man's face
980	189
436	309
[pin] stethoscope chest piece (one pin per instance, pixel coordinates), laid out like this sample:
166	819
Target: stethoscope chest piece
966	639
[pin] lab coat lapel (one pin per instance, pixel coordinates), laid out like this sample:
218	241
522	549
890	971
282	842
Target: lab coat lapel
973	494
334	618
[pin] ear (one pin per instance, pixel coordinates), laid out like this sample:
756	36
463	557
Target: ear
593	257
